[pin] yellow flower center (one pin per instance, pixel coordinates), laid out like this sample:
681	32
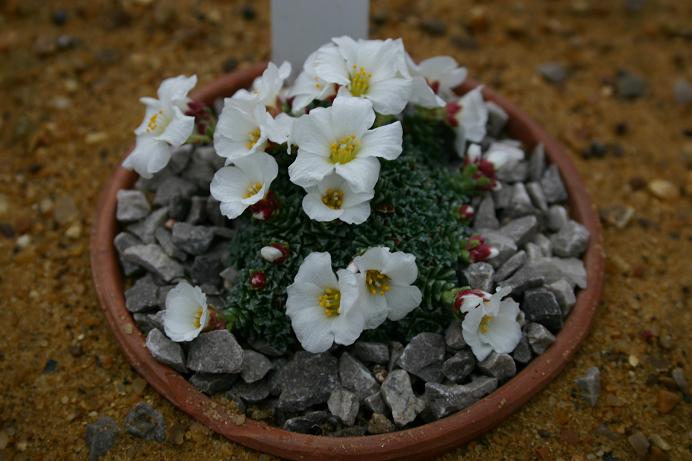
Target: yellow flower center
484	326
377	282
252	189
157	123
360	81
330	301
334	199
198	317
344	150
253	137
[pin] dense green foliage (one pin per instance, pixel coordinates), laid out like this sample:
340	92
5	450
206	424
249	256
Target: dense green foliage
414	210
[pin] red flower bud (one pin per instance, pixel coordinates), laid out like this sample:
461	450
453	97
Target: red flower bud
459	298
216	320
258	280
466	212
452	109
265	208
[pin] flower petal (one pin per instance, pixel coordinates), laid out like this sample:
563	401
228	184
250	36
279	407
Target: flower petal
351	116
389	96
361	173
316	268
401	268
309	169
179	129
317	210
401	300
385	141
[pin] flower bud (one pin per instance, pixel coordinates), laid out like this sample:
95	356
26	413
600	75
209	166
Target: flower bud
258	280
275	253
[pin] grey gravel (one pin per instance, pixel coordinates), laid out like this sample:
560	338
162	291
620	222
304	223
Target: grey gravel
165	240
510	266
251	392
556	217
199	172
571	241
370	352
146	422
214	212
213	383
132	206
395	351
544	244
459	366
629	86
564	293
537	163
497	119
308	379
589	385
142	296
166	351
538	199
553	72
147	322
206	269
310	423
485	217
683	92
520	203
443	400
101	436
146	228
152	258
344	405
499	366
533	251
216	351
423	356
552	184
454	338
520	230
479	275
375	403
501	195
513	172
173	188
522	353
541	271
399	397
255	366
541	306
539	337
356	377
122	242
198	210
194	240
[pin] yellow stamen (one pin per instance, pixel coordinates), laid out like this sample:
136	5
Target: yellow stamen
360	81
153	122
198	317
377	282
344	150
484	325
252	189
330	301
334	198
253	137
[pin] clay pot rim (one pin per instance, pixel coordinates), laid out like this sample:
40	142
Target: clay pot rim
422	442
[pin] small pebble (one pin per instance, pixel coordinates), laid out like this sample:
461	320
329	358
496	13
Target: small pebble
663	189
553	72
666	401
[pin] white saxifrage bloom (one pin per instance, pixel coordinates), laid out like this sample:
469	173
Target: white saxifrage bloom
337	140
492	325
386	280
267	87
308	86
164	128
322	307
370	69
333	198
243	129
434	80
186	313
471	118
237	187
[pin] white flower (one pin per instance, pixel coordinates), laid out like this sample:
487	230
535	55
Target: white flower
237	187
337	140
371	69
471	118
333	198
244	127
386	280
186	313
308	86
504	153
434	80
267	88
321	307
165	126
492	325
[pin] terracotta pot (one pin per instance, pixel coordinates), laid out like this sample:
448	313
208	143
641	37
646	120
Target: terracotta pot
422	442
